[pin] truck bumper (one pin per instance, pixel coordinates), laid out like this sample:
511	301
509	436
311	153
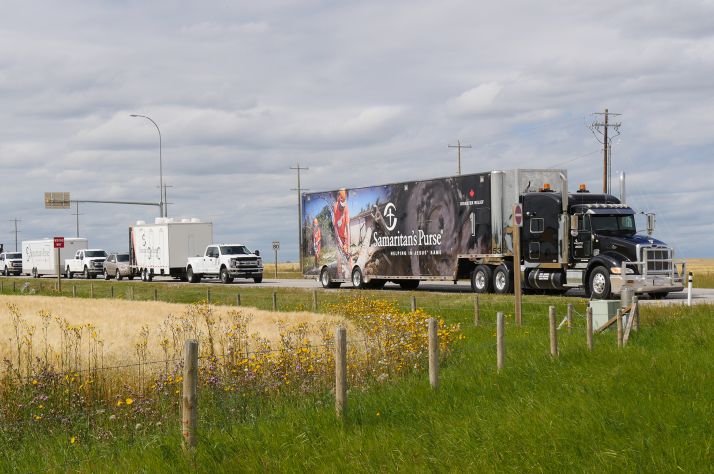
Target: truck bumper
651	284
245	273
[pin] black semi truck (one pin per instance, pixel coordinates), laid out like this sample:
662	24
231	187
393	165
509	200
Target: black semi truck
459	227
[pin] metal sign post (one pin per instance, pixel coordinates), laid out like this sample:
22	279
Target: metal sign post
517	223
59	245
276	247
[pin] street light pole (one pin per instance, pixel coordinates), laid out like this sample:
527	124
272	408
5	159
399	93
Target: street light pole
161	169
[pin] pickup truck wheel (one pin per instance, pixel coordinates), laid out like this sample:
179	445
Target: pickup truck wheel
502	283
599	284
225	277
192	277
481	279
106	275
258	279
86	273
117	275
68	273
6	272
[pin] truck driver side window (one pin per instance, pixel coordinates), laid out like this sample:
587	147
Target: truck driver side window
212	252
537	225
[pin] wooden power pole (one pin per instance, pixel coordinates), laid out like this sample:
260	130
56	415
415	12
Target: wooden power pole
602	129
458	147
299	190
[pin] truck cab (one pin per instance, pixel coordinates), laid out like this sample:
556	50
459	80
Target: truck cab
10	263
88	262
227	262
603	252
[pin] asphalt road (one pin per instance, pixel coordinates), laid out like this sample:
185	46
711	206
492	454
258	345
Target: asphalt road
699	295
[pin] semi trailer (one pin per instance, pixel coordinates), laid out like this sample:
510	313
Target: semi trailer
163	248
460	227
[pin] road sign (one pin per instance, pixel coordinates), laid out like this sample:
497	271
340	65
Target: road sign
57	201
518	215
276	245
59	242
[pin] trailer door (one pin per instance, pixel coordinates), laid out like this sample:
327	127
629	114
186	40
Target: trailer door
539	237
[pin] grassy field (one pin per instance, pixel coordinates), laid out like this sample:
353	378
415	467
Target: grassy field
645	408
703	270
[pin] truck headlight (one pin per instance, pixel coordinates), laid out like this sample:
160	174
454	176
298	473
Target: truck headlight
260	262
618	271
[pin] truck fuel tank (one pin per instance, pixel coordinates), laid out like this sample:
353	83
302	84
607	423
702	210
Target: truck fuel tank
543	279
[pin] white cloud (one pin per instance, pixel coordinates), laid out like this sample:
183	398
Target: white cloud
480	99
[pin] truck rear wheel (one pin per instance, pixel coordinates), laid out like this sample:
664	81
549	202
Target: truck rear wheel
599	284
326	279
69	274
481	279
192	277
358	279
502	280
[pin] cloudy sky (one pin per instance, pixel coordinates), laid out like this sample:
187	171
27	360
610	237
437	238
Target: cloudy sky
360	92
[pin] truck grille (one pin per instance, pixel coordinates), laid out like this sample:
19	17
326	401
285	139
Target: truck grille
658	260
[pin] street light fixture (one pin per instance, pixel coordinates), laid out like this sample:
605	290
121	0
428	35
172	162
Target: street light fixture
161	170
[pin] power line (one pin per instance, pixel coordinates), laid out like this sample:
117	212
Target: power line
606	144
458	146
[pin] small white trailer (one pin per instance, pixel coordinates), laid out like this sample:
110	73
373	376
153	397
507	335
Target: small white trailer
163	248
39	257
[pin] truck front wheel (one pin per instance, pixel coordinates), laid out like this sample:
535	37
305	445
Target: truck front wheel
358	279
599	284
502	282
225	277
258	279
481	279
69	273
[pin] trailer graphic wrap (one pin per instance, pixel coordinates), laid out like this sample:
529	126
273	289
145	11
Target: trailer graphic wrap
414	229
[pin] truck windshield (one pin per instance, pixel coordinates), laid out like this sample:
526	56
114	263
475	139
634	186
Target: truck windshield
234	250
13	255
95	253
614	225
122	257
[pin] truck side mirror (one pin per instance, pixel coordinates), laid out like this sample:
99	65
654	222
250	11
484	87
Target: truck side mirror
650	223
257	253
574	225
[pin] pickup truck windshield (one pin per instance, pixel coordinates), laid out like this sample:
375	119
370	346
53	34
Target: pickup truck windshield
614	225
13	255
95	253
122	257
234	250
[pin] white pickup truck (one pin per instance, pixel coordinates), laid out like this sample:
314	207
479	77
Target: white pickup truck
225	262
88	262
10	263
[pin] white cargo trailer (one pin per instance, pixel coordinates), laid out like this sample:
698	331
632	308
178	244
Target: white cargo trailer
39	257
163	248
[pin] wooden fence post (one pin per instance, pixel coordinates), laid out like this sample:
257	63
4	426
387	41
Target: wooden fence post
570	317
74	291
238	299
553	332
500	343
156	294
314	301
635	314
13	287
91	290
433	353
477	310
131	293
275	301
619	328
589	332
189	412
413	303
112	289
340	372
208	295
1	288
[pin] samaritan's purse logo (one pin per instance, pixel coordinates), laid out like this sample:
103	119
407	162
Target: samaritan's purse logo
390	217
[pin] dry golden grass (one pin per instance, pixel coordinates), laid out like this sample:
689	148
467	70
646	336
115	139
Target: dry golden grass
700	265
118	323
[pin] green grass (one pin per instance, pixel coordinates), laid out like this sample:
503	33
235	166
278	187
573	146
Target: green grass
645	408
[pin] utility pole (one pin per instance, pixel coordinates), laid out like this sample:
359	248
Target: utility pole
166	201
299	190
602	129
15	221
77	214
458	147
